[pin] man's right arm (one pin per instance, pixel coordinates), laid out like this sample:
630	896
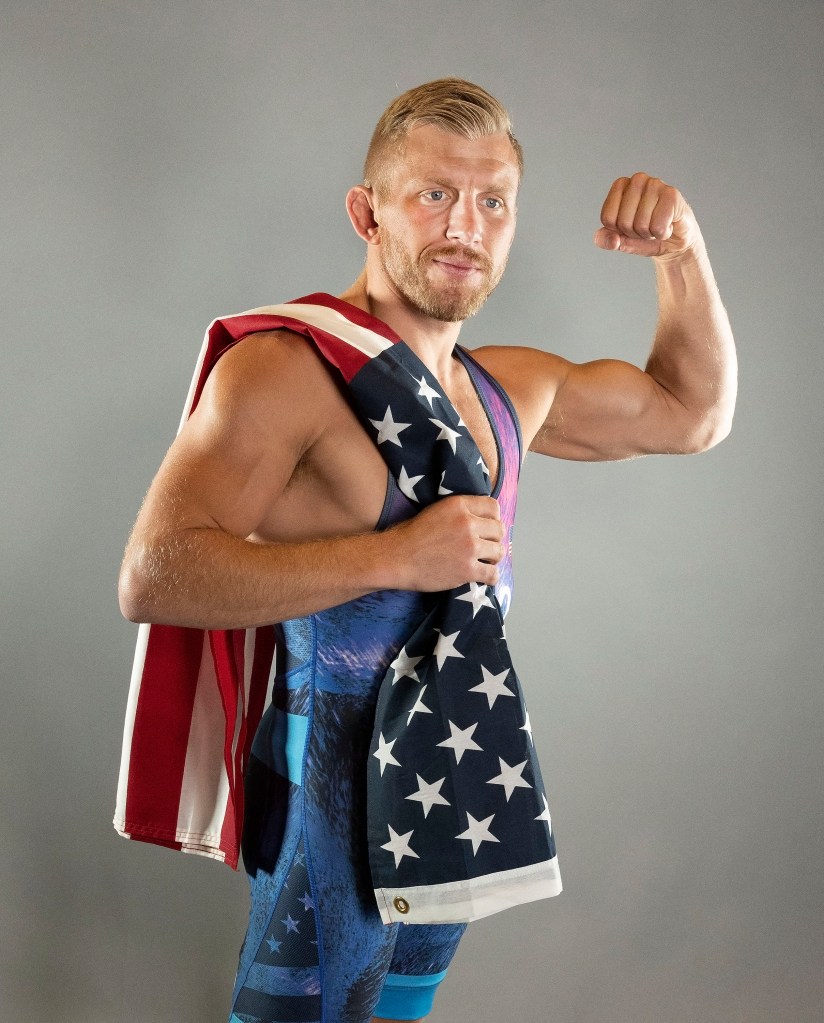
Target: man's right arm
190	560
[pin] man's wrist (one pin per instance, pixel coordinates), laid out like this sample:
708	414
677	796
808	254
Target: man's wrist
694	252
386	565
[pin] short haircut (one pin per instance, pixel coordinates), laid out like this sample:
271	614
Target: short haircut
451	104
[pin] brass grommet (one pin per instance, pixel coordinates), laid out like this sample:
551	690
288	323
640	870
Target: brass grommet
401	905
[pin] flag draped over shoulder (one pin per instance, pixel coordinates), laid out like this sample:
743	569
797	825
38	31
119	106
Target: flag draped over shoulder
196	697
458	822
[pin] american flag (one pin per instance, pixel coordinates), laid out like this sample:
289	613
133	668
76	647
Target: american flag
458	821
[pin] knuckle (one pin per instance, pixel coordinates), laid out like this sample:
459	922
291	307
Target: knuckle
624	224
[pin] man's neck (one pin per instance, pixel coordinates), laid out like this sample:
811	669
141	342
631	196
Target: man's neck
431	340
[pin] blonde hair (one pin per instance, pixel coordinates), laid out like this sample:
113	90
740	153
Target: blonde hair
451	104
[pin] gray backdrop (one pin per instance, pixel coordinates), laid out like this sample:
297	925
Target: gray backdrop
163	164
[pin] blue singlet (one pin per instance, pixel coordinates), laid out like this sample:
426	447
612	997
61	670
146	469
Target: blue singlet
316	950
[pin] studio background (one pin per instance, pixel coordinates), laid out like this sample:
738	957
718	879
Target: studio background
165	164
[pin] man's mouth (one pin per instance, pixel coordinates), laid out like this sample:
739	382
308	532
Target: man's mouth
457	265
462	269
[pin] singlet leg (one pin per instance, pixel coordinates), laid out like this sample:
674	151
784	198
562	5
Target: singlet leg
419	963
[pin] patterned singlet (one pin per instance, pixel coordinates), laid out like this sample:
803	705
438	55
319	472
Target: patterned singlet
316	950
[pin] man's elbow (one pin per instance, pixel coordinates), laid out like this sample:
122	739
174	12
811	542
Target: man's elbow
710	430
135	593
131	595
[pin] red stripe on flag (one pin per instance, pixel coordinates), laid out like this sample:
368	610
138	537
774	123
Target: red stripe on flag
161	731
262	656
227	651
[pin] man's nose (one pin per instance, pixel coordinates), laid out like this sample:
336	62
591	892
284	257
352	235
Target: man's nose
464	222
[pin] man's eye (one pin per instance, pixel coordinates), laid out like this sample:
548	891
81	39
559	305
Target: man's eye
437	194
493	204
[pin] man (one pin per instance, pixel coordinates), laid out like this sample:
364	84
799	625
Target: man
273	506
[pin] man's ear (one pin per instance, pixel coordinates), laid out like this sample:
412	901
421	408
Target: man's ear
361	210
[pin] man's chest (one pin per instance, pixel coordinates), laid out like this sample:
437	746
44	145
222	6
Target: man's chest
339	486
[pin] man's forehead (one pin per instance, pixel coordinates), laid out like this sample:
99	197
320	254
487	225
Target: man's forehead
428	149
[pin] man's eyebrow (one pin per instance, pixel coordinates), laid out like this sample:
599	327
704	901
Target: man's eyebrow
504	187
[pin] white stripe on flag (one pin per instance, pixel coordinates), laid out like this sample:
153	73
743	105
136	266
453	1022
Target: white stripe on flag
204	772
330	320
270	684
128	728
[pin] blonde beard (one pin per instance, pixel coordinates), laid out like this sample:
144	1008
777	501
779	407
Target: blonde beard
449	304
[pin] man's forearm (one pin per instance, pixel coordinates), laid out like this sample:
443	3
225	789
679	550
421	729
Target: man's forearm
206	578
693	356
209	579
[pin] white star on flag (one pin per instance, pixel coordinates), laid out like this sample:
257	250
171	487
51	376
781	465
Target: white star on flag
477	597
425	391
384	753
492	686
427	795
404	666
478	831
291	925
442	491
461	740
510	778
420	707
445	647
482	464
407	484
527	727
447	434
388	429
545	815
399	846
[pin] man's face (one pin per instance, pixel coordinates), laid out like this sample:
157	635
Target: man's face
446	216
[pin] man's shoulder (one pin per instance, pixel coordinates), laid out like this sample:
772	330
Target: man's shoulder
529	376
268	378
513	362
266	358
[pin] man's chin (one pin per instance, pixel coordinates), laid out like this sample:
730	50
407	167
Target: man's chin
454	306
460	314
448	312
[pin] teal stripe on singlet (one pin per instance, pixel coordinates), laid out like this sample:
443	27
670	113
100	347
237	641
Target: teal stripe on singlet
284	745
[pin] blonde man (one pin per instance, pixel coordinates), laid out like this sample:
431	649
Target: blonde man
274	505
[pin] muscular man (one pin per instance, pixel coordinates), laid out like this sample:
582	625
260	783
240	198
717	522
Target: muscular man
274	505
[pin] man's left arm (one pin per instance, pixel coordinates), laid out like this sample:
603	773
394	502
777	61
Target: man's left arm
683	400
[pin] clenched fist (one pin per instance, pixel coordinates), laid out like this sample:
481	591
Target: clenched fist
454	541
646	217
